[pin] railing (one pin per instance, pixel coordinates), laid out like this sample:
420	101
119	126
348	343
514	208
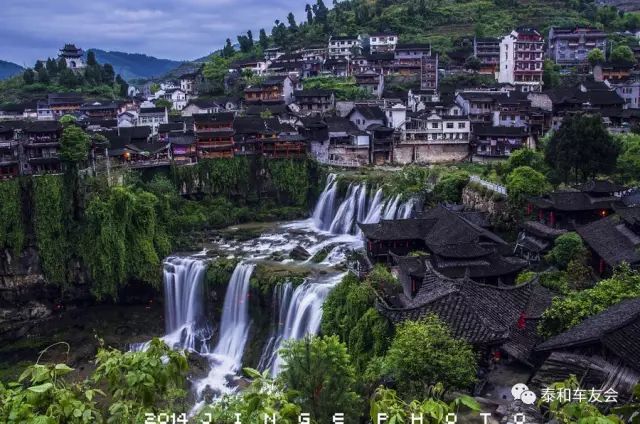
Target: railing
489	185
341	163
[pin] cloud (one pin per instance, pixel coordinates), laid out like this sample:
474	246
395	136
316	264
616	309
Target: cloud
180	30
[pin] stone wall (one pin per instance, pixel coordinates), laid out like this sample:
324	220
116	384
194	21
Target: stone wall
484	201
429	153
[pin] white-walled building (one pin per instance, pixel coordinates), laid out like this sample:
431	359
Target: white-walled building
521	59
344	46
383	42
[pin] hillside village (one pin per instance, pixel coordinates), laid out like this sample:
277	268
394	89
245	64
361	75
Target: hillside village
283	111
526	243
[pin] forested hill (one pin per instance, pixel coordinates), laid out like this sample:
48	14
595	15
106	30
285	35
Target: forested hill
443	23
134	65
9	69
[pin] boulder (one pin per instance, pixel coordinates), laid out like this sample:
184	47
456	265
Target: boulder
299	253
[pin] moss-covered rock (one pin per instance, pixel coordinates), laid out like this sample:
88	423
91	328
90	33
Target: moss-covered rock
267	275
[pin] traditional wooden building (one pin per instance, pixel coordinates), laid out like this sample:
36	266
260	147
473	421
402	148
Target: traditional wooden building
214	133
570	209
614	239
41	144
454	245
603	351
491	318
314	102
9	153
100	110
183	147
491	142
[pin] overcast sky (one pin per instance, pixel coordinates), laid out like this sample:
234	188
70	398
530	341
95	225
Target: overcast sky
171	29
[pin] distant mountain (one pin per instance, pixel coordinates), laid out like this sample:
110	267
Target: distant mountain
134	65
9	69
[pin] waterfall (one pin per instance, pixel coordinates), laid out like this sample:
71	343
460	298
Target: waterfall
186	326
375	211
226	358
303	316
406	209
279	308
391	208
323	213
357	206
344	219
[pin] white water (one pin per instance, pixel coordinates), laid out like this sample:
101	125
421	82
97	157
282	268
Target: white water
226	359
296	313
357	206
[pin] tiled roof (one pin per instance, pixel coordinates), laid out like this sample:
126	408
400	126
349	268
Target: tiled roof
481	314
612	240
617	328
370	112
574	201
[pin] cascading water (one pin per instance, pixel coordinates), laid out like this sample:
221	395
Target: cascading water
375	211
323	213
303	316
226	358
186	326
279	308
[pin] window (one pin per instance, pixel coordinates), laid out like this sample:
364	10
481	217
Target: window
461	125
434	125
449	124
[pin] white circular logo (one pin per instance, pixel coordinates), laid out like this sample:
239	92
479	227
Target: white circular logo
518	389
528	397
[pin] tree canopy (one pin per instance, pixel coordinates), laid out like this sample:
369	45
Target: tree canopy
581	149
424	353
74	145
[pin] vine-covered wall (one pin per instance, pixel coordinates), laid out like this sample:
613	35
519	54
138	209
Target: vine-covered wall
12	233
286	182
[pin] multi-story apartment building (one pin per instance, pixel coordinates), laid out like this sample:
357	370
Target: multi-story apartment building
521	59
487	50
570	46
630	92
344	46
417	59
214	135
383	42
153	117
9	154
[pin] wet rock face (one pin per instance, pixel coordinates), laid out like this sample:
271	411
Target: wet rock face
299	253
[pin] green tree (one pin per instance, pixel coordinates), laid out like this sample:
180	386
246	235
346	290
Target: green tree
524	182
424	353
43	76
595	57
228	50
163	103
319	371
52	67
108	74
568	311
215	71
293	26
91	58
74	145
550	74
623	56
628	165
582	147
566	248
524	157
154	88
28	76
123	87
263	40
449	187
68	78
473	63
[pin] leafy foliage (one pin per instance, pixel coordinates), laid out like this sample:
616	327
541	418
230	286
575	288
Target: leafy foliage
342	88
123	240
348	312
524	182
582	148
424	353
74	145
628	165
319	372
566	312
433	409
50	230
263	397
566	248
12	232
135	383
449	188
